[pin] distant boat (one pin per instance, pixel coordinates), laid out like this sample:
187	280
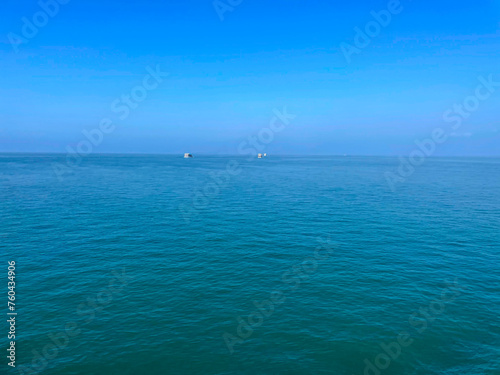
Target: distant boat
187	156
265	154
259	156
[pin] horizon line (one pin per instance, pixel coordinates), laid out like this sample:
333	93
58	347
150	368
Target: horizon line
238	155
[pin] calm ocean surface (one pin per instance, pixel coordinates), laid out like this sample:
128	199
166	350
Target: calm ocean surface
292	265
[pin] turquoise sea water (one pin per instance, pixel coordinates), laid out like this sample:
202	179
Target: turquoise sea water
292	265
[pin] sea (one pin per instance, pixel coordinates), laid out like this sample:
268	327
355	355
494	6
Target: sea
222	265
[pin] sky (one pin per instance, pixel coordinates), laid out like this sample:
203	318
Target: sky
66	67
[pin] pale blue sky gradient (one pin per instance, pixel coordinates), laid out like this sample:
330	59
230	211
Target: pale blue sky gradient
226	77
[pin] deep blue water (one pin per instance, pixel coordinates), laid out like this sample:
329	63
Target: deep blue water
149	276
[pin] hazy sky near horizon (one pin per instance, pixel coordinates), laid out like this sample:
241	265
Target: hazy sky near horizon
226	77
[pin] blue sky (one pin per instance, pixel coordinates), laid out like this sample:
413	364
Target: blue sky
226	77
